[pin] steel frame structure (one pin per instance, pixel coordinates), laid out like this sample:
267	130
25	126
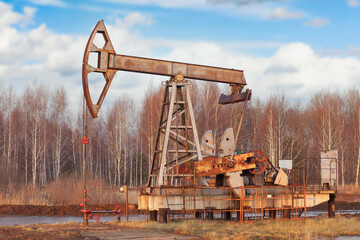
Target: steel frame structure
177	140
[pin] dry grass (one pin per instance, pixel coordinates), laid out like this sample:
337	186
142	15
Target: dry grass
309	229
63	192
315	228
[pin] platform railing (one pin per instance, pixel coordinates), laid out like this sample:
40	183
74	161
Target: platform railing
247	203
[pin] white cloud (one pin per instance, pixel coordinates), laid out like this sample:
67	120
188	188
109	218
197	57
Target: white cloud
240	2
137	18
353	3
280	13
56	3
295	68
354	50
317	22
8	17
37	53
194	3
312	74
29	13
55	59
163	3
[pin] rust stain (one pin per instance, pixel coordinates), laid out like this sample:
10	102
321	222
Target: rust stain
220	165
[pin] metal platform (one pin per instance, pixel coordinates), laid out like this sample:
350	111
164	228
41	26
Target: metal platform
248	203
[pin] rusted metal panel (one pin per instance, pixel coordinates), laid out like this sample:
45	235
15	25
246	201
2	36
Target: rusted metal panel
219	165
170	68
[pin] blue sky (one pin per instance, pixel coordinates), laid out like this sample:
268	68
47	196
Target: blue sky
337	20
295	46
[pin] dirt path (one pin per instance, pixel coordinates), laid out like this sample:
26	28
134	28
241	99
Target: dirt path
73	231
135	234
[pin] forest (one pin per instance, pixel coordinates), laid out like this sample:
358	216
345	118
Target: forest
40	139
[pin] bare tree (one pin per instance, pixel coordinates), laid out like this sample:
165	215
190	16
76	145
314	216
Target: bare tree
325	109
353	113
255	114
37	106
274	127
149	123
59	116
117	125
10	102
295	133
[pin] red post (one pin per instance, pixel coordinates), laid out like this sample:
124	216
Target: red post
84	141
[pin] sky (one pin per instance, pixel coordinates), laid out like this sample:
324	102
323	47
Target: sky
296	47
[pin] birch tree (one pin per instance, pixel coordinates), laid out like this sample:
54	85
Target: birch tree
274	127
117	125
295	133
10	102
149	122
326	108
254	115
37	103
59	116
353	113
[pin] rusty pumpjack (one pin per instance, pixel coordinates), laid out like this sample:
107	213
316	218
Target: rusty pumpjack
178	155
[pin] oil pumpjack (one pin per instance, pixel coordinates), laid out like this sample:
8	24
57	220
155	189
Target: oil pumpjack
180	161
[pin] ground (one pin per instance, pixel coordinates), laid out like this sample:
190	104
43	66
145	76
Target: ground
318	227
314	228
71	231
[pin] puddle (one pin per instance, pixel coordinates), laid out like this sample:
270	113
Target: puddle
10	220
318	213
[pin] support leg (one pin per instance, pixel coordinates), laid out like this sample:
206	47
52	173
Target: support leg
272	214
163	215
153	215
228	215
331	206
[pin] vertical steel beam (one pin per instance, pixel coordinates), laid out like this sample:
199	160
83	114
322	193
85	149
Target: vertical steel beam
167	134
192	119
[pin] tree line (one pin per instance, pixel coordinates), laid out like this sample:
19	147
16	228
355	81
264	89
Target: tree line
40	139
